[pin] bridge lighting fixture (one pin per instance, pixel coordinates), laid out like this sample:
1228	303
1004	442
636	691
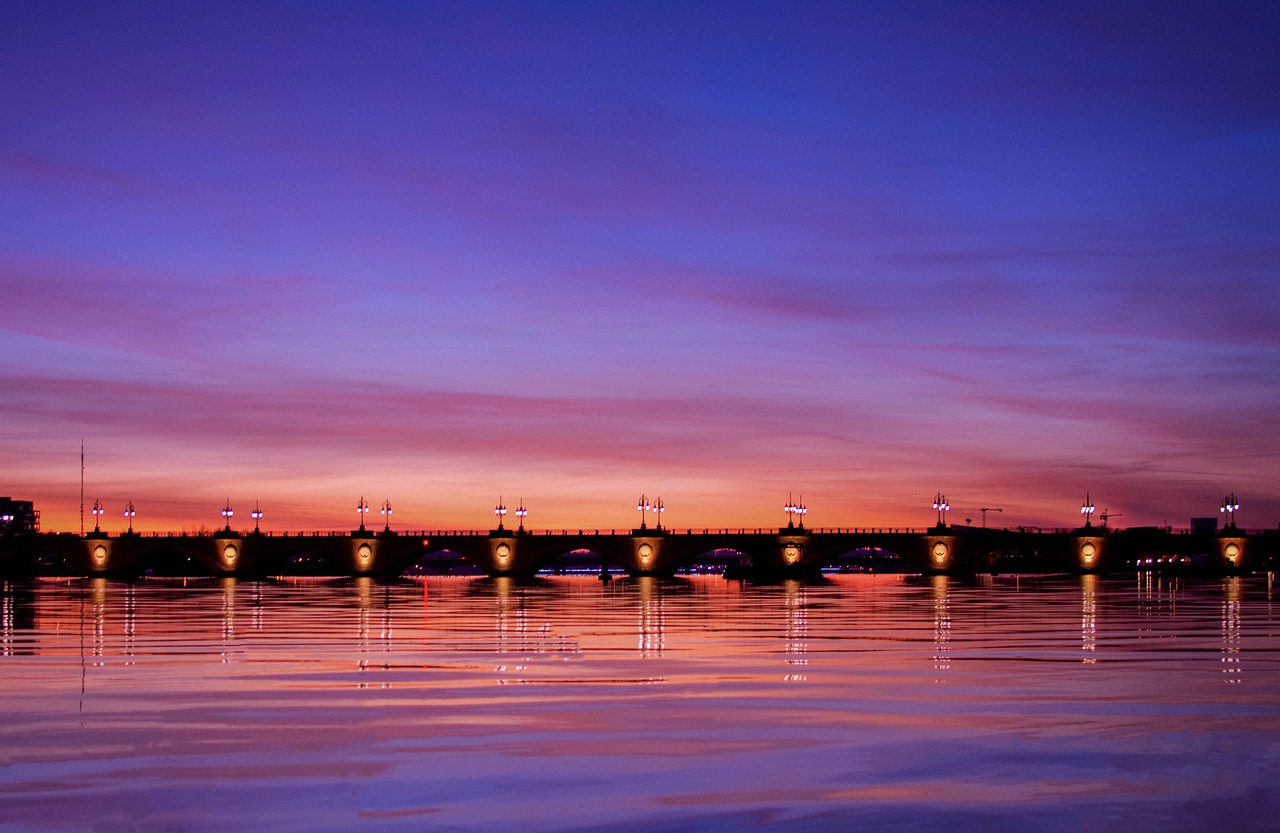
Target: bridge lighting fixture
500	510
129	513
941	505
1232	552
256	514
801	510
642	506
658	509
227	512
1229	507
1087	510
362	509
97	513
791	510
521	512
386	515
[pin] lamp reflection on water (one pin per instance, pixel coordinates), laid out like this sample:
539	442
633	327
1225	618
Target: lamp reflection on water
503	587
652	638
1232	670
1089	618
941	626
130	625
99	591
7	620
228	617
797	645
364	611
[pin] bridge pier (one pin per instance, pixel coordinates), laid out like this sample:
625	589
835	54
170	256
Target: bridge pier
227	556
500	553
1232	551
102	555
941	552
788	554
647	553
1091	552
97	554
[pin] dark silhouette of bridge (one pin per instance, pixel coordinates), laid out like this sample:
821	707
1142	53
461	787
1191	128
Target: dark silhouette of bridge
767	553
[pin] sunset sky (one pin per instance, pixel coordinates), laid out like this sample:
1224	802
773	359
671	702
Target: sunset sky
576	252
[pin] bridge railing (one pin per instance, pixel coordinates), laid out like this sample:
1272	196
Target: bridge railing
602	532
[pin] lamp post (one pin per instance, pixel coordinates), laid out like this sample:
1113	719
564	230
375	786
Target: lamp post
256	514
643	506
940	504
500	510
658	509
520	513
801	511
791	510
227	512
362	508
7	520
386	515
1087	509
97	513
1229	506
129	513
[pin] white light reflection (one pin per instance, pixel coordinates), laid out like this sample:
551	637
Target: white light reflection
99	586
130	628
1232	670
7	621
941	627
652	638
797	645
1089	618
364	604
228	618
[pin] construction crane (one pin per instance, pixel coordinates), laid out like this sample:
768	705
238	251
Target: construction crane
1109	514
984	510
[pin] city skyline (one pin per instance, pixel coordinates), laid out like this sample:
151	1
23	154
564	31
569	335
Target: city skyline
580	253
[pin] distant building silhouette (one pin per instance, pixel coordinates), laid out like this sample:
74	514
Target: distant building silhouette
1204	524
18	516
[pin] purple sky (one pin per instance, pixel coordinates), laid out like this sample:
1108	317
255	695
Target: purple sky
300	253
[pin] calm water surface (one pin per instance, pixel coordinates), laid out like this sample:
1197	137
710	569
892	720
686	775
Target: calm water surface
862	703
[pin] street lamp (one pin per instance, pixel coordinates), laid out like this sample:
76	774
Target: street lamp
940	504
791	510
520	513
129	513
227	512
362	508
1229	506
97	513
1087	510
386	514
658	509
256	514
500	510
6	519
643	506
801	510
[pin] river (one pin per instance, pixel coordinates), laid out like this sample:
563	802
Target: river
861	702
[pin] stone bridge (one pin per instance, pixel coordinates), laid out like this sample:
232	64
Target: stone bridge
762	553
